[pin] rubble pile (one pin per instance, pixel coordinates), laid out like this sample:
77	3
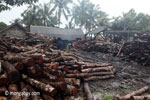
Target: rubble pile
33	65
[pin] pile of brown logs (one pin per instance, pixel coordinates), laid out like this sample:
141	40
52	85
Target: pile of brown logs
98	46
135	95
138	51
30	69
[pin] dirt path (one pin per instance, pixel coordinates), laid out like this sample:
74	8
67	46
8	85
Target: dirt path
129	76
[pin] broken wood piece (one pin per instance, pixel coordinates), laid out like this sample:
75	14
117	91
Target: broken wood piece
138	92
88	92
45	87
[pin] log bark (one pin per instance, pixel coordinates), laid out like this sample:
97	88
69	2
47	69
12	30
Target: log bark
92	78
13	74
88	70
88	92
44	87
138	92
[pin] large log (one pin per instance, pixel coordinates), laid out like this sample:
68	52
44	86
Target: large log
92	78
13	74
138	92
44	87
88	92
88	70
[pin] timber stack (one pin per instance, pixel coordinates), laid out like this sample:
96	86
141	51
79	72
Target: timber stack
34	64
138	51
98	46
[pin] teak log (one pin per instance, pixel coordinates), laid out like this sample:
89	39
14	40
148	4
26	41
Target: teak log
3	79
98	77
45	87
88	92
138	92
88	70
13	74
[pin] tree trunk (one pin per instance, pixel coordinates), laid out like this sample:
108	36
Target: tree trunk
88	92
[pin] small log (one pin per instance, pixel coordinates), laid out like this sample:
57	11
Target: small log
13	74
51	77
88	70
88	92
3	79
80	75
138	92
3	98
92	78
47	88
88	65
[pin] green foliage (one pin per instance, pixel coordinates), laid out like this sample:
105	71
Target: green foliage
107	96
88	15
6	4
132	21
61	7
2	25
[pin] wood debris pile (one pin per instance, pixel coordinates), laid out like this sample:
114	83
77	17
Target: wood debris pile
31	65
138	51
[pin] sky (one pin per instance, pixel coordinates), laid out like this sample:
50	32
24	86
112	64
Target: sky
111	7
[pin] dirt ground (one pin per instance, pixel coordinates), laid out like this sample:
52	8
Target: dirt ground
129	76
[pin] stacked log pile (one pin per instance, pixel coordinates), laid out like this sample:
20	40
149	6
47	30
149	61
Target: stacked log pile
98	46
32	69
138	51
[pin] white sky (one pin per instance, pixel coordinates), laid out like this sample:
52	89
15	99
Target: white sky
111	7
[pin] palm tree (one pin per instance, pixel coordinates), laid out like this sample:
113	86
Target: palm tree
31	16
46	15
61	7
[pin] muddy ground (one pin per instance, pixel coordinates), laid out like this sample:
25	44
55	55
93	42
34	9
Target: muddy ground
129	76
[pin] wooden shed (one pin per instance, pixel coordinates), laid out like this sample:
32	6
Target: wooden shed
14	30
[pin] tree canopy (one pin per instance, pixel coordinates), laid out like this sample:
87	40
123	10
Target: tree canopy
2	25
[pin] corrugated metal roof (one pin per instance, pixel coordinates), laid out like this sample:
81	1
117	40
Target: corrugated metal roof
64	34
